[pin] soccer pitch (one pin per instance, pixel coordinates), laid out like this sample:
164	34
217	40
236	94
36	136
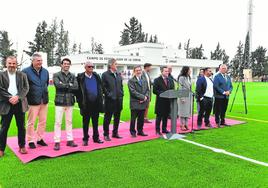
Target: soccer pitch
157	163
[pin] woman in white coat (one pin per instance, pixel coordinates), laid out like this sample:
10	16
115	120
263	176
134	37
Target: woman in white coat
185	103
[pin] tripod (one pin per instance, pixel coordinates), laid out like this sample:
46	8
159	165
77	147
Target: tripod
241	82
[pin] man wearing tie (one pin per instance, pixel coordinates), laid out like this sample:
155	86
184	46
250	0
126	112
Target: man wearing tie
113	91
139	99
145	74
204	95
162	105
222	90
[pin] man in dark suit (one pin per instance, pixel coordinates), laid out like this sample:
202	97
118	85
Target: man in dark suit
90	101
13	90
162	105
139	99
146	75
113	92
222	90
204	95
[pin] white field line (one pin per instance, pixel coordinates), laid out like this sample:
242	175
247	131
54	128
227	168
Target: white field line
75	108
251	119
225	152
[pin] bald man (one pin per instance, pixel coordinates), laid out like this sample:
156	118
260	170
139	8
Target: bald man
222	90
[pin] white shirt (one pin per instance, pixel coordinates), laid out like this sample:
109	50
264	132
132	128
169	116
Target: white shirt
209	90
12	88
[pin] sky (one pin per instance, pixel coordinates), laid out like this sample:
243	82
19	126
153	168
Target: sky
174	21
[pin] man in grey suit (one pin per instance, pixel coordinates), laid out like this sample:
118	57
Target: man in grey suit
13	89
146	75
139	99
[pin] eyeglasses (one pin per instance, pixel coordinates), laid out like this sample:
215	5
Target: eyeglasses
90	67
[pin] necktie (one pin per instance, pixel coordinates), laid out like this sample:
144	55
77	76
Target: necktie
166	81
140	82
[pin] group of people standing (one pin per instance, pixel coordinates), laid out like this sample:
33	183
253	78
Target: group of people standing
27	90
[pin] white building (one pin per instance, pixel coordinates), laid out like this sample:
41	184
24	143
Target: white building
137	54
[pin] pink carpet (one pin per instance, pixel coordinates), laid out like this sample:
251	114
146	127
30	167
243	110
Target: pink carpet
149	128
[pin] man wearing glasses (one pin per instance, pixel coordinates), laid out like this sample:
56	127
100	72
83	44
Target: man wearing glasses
90	101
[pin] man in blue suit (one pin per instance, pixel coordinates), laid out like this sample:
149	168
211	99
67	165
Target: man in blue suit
222	90
204	95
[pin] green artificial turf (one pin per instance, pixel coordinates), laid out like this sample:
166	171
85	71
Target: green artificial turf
157	163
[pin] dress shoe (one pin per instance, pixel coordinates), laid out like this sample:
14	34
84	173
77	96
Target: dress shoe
41	143
71	144
85	143
107	138
158	133
117	136
2	153
57	146
208	125
98	141
224	124
147	121
142	134
23	150
133	135
165	132
32	145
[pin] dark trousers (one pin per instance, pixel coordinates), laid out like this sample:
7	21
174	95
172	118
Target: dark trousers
205	107
220	110
20	122
158	121
139	115
95	118
107	120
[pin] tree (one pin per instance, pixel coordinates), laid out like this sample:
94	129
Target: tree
39	42
187	48
236	62
179	47
74	48
246	55
197	53
219	54
155	39
99	49
124	38
133	33
63	43
259	61
80	48
5	47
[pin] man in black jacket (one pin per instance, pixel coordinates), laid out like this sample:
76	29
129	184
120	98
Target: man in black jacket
162	105
90	101
65	84
113	91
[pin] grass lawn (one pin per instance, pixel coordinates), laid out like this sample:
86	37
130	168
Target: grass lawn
157	163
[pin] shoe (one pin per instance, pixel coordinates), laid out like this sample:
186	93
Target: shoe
41	143
208	125
224	124
71	144
32	145
107	138
133	135
142	134
218	125
85	143
117	136
98	141
165	132
23	150
158	133
147	121
57	146
2	153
